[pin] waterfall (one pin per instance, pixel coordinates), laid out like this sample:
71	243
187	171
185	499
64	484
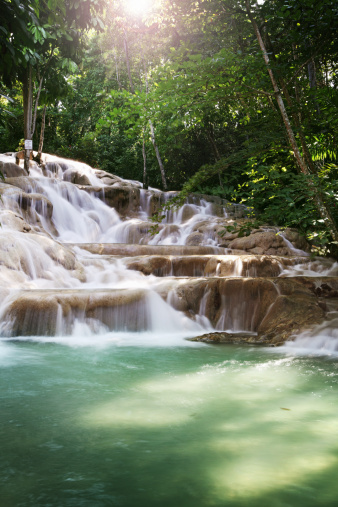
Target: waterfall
77	258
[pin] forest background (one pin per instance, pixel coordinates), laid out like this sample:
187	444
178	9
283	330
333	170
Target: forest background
232	98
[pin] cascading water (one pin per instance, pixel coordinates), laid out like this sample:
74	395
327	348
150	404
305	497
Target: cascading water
94	412
68	204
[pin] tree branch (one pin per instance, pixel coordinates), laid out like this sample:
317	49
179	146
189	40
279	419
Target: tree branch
259	91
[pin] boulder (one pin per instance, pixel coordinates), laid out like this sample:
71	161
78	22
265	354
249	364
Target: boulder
194	239
188	212
289	315
124	198
14	222
26	183
106	178
267	242
11	170
76	177
228	338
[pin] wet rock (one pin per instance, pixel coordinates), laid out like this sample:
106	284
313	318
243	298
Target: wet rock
25	183
124	198
188	212
150	265
220	205
154	202
263	242
76	177
326	290
135	232
289	315
107	178
298	241
48	313
132	250
228	338
11	170
195	239
15	222
18	253
170	230
30	206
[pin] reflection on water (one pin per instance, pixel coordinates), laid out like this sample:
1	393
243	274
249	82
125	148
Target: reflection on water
177	426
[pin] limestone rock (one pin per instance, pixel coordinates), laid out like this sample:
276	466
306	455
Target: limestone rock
38	312
194	239
188	212
18	253
290	315
124	198
264	242
228	338
76	177
150	265
11	170
30	206
14	222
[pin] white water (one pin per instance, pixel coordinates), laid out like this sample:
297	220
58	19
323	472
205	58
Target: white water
321	340
39	261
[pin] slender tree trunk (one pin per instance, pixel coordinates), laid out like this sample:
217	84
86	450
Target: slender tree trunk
36	105
312	74
211	138
145	182
126	50
117	71
132	89
42	133
159	160
296	117
320	204
27	89
152	131
311	70
297	94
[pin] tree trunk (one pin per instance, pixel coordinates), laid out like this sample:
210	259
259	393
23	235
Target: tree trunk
296	117
36	106
126	50
27	92
42	133
211	138
312	74
145	183
297	94
153	138
321	206
159	160
117	71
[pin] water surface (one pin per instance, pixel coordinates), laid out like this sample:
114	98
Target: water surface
166	426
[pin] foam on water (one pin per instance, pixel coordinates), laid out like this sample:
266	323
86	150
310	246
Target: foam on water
321	340
316	267
83	336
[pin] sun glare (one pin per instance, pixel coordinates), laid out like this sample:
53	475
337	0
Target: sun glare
138	7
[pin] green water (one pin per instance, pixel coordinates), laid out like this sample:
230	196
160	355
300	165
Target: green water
170	426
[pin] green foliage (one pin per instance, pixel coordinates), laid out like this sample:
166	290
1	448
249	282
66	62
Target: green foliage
199	76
